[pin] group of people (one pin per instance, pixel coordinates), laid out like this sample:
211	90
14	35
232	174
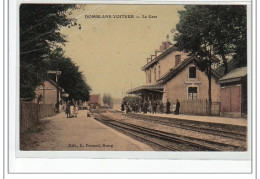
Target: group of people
156	106
138	106
71	110
175	107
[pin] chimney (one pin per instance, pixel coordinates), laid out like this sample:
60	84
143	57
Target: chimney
152	57
158	52
165	45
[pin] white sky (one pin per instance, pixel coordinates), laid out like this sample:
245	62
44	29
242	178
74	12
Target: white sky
111	52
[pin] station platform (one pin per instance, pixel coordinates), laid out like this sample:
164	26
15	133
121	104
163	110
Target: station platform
211	119
82	133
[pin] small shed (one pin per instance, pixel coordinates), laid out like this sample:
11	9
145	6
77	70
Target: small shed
233	93
95	101
48	92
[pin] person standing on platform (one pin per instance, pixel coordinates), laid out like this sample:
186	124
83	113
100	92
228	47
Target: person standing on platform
136	107
161	107
128	108
178	105
67	110
158	108
145	107
71	110
150	108
174	108
168	105
154	106
75	111
122	107
142	106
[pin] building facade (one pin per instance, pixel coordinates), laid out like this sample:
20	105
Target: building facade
233	93
95	101
172	75
47	92
186	82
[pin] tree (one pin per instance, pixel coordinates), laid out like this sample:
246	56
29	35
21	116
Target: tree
131	99
39	35
207	33
107	100
71	79
229	33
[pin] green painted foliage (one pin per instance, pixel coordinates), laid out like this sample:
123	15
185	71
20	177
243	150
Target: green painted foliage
40	39
71	79
209	31
213	32
108	100
39	32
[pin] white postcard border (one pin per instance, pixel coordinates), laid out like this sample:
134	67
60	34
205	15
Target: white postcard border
16	156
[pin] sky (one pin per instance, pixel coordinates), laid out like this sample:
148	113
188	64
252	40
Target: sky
111	51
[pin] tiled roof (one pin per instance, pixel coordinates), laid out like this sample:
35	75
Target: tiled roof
234	75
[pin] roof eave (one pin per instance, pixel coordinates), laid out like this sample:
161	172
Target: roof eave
144	87
230	80
156	59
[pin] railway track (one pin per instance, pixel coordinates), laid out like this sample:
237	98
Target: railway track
233	132
150	140
165	140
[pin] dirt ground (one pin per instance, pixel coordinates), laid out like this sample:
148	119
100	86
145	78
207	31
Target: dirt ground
59	133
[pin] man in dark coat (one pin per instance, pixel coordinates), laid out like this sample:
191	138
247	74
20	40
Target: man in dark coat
145	107
154	106
122	107
168	105
68	110
178	105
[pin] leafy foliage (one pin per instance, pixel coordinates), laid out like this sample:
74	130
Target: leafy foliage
231	66
218	31
108	100
39	50
39	32
131	99
71	79
208	32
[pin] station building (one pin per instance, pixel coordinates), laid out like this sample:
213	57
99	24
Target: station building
172	74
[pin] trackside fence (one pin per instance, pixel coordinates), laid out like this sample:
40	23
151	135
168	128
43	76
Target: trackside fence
30	113
199	107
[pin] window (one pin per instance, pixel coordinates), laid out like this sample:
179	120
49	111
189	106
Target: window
159	71
147	78
192	72
150	76
154	73
192	93
177	59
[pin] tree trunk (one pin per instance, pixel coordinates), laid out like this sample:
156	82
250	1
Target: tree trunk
225	64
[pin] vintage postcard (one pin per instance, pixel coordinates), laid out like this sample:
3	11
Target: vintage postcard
156	78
